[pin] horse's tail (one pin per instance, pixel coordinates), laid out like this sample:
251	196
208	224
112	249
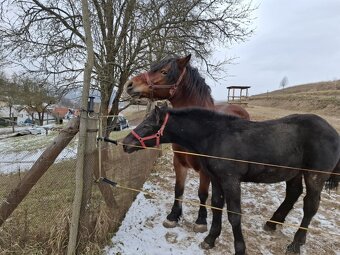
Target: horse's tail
333	181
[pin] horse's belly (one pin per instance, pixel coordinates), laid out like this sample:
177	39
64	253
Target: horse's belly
261	174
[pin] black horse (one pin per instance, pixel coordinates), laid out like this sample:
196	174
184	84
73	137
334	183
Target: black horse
297	141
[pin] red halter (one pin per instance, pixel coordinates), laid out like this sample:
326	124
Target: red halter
172	87
156	136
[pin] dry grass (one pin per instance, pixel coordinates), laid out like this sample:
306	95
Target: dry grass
320	98
40	224
38	220
318	87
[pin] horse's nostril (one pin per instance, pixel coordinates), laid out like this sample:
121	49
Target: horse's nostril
129	84
129	87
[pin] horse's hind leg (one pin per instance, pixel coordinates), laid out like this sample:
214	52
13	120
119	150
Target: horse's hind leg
176	211
201	222
310	206
294	189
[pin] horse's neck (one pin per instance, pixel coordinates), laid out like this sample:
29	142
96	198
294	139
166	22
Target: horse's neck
186	132
181	102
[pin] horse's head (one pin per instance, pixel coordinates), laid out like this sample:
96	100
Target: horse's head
161	81
148	133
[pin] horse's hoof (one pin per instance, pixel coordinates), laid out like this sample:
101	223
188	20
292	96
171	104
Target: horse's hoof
204	245
169	224
293	248
200	228
269	227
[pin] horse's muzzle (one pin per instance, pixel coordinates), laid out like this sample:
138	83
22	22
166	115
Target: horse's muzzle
129	149
126	148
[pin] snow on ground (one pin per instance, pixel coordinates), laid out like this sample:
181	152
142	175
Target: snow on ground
142	232
19	153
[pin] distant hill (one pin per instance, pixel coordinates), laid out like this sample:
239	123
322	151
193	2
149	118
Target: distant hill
320	97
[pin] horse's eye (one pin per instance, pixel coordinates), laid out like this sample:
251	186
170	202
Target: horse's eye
164	72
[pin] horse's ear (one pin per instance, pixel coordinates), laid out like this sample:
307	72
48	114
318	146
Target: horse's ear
158	113
164	105
182	62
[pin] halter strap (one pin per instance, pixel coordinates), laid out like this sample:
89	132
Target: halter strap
156	136
172	87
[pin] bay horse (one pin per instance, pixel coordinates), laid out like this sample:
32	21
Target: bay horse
175	79
308	145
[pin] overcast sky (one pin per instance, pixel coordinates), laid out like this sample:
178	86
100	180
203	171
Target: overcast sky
298	39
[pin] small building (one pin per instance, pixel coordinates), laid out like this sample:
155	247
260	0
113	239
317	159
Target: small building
237	94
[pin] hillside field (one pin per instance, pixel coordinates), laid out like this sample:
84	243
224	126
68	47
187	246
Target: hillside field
321	98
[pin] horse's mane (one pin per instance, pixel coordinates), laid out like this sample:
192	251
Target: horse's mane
201	112
195	85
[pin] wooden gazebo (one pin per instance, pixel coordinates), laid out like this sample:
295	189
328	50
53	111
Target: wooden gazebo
239	95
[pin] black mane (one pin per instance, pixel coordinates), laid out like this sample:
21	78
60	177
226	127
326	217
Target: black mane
195	85
201	113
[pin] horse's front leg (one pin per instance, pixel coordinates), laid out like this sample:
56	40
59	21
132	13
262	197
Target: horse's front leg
176	211
201	222
232	191
217	202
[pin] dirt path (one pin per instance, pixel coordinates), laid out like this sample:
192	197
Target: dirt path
142	231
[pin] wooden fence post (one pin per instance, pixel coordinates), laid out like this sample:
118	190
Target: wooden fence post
90	163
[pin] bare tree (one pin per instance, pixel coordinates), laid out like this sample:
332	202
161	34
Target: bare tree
128	36
9	93
35	95
284	82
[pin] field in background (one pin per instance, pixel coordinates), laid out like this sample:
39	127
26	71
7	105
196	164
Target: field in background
321	98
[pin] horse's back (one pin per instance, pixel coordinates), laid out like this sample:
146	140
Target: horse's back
321	141
232	109
299	140
309	135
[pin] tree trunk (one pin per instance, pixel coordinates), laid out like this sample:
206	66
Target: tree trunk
38	169
78	196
